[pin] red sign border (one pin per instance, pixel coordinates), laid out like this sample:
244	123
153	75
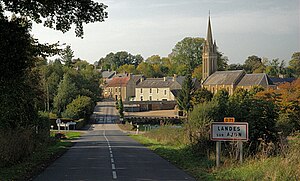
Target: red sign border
229	123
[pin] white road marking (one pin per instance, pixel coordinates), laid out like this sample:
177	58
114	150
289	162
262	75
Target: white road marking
113	166
114	173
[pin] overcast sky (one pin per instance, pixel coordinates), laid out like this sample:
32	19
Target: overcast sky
266	28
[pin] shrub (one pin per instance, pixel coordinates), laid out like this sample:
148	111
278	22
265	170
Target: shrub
79	108
198	126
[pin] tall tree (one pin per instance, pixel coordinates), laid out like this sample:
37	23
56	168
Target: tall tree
294	64
66	93
67	56
185	94
114	60
252	63
188	52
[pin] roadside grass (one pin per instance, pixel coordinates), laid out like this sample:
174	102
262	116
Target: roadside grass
285	167
282	168
182	156
41	158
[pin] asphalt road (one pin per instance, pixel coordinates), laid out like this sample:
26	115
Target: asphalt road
106	153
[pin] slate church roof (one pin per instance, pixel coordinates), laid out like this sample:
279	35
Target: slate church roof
255	79
225	77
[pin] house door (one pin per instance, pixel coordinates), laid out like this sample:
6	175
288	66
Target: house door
149	107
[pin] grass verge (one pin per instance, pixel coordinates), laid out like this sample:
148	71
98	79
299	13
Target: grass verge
39	160
284	167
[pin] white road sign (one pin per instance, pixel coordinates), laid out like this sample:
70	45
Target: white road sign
237	131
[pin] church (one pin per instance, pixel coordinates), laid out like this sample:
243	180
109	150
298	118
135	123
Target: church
214	80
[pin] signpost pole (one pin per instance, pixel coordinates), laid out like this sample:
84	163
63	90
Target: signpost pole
241	151
218	153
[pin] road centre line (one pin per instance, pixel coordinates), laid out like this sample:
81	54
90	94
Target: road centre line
113	166
114	173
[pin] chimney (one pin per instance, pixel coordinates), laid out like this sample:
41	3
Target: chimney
174	77
141	80
165	79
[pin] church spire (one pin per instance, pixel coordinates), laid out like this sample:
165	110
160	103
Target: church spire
209	54
209	38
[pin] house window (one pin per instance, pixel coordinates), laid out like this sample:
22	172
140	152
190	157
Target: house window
141	90
150	90
165	92
119	89
116	89
157	90
141	98
150	98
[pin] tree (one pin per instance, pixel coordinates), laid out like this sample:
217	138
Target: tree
188	52
114	60
235	67
201	95
252	63
221	100
185	94
126	69
146	69
67	56
294	64
222	61
80	107
59	15
121	108
275	68
66	93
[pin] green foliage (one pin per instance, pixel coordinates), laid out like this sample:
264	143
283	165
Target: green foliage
294	64
198	126
67	56
121	107
185	94
221	100
146	69
65	94
274	168
201	95
188	52
222	61
252	63
113	61
59	15
80	107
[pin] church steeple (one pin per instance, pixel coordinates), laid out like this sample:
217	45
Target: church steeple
209	34
209	54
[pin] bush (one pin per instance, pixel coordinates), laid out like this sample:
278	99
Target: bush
80	107
198	126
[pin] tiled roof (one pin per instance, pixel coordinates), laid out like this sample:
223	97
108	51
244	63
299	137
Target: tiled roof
252	79
224	77
108	74
155	83
118	82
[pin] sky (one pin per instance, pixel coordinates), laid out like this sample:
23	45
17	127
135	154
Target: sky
241	28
